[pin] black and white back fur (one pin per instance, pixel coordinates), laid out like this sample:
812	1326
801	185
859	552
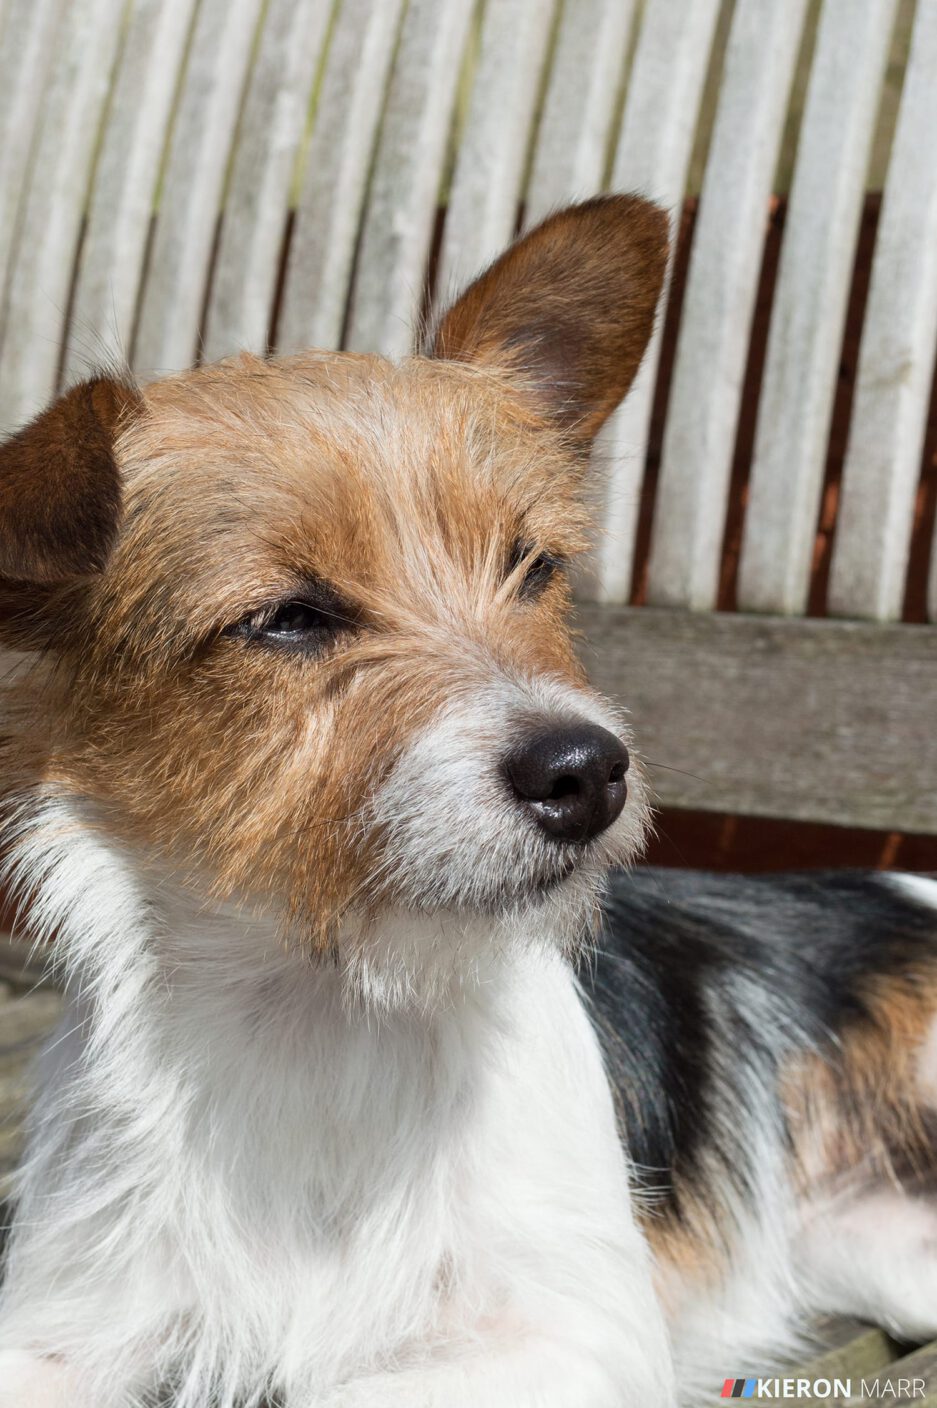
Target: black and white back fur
772	1042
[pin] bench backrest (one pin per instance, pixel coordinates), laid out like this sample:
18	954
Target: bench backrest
182	178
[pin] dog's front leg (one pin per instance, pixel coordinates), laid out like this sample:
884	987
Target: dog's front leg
531	1372
578	1332
29	1379
530	1380
553	1304
577	1325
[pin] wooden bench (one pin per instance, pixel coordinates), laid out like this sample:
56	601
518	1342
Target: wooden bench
29	1010
183	178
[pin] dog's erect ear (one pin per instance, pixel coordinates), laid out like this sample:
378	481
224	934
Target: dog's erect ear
570	307
60	493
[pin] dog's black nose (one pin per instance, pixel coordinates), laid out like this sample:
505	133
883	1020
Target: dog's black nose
571	780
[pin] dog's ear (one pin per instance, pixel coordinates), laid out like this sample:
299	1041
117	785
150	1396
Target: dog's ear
60	492
60	506
570	307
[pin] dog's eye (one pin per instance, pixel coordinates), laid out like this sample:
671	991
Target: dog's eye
296	625
539	569
297	618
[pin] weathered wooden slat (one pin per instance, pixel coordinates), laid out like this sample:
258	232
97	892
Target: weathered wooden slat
652	156
25	1022
85	43
339	158
121	207
817	253
572	142
192	185
717	309
481	215
896	361
919	1368
271	129
816	720
854	1351
21	968
399	219
26	53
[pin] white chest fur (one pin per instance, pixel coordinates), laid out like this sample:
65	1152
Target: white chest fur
239	1183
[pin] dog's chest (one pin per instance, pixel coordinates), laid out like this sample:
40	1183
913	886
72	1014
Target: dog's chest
313	1152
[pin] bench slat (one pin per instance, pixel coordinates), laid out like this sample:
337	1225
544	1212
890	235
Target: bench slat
25	1022
811	720
718	304
85	45
193	182
481	213
25	56
272	126
896	361
921	1365
398	224
338	160
572	142
817	254
121	210
850	1347
653	156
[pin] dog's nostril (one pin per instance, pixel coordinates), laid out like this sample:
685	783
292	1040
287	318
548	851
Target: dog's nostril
571	780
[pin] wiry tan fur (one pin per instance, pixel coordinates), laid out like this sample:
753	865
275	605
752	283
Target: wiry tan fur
406	487
859	1114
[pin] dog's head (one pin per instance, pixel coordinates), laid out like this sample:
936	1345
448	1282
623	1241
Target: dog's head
311	611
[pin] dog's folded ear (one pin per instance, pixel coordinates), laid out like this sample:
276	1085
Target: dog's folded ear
569	307
60	491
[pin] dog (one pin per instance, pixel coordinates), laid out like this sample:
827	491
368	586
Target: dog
382	1081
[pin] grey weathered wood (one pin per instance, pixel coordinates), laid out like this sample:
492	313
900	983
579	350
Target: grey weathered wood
26	51
921	1365
571	150
193	182
122	201
257	203
652	156
21	968
851	1350
896	361
817	253
25	1022
40	273
481	214
855	1352
325	232
716	319
816	720
397	230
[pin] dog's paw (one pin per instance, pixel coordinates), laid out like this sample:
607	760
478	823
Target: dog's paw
28	1381
875	1257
